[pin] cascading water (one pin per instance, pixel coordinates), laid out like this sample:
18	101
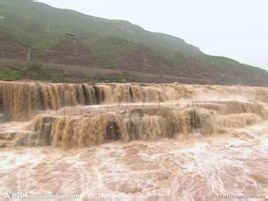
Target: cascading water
133	141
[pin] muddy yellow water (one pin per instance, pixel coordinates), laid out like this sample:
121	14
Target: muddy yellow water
196	169
133	142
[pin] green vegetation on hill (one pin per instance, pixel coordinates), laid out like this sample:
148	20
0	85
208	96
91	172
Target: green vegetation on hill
33	71
40	26
110	51
37	71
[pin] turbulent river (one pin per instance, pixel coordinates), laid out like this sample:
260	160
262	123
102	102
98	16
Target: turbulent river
133	142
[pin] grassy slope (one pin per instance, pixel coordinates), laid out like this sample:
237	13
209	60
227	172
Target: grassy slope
40	26
39	21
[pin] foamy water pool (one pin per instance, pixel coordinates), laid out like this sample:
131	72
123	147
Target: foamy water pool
210	155
196	169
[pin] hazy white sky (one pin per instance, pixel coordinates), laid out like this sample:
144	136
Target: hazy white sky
232	28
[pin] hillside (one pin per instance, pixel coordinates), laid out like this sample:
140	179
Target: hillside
110	44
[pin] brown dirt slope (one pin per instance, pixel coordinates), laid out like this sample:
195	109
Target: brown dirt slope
144	62
135	65
10	49
71	52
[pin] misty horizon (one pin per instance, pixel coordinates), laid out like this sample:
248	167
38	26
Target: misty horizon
235	30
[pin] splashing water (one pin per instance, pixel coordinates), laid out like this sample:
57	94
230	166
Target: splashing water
198	169
184	146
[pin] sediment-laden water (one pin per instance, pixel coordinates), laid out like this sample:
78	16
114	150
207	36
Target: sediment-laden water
133	142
